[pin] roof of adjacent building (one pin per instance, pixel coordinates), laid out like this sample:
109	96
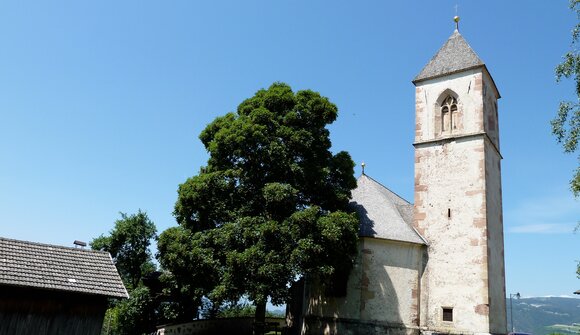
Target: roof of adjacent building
382	213
51	267
454	56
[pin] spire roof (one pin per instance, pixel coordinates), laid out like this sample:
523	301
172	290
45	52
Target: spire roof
454	56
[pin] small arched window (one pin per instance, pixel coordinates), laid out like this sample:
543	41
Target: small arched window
449	115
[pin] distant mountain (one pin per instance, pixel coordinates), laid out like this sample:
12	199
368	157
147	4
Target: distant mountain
541	316
277	312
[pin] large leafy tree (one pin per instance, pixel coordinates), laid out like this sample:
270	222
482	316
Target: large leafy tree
269	207
566	125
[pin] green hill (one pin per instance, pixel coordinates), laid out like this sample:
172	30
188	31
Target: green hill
546	315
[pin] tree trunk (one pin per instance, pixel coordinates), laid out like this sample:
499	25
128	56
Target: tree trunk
260	318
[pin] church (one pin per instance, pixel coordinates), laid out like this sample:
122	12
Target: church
434	266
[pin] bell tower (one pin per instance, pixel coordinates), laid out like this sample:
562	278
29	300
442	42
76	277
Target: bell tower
458	202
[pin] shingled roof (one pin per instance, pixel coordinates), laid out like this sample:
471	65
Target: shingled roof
383	214
43	266
454	56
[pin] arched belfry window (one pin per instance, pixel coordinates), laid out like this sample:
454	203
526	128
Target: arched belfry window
449	116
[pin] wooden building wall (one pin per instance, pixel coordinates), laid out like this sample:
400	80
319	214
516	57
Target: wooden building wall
45	312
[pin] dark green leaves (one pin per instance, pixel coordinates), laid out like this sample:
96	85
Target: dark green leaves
280	200
566	125
191	259
269	207
128	243
206	200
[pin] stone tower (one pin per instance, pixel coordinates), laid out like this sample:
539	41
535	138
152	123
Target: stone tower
458	205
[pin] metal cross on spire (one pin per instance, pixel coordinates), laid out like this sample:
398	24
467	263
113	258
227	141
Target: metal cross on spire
456	18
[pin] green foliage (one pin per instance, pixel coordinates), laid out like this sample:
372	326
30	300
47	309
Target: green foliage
566	125
128	243
243	309
237	311
136	314
269	207
194	270
111	321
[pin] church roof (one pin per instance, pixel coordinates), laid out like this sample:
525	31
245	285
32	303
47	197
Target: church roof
454	56
383	214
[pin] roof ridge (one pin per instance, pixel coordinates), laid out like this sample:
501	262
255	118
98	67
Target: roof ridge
52	245
386	188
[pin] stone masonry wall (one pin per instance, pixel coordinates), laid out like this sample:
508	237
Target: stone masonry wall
450	214
494	215
455	178
496	269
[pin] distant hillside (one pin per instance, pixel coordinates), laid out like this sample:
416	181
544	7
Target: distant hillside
541	316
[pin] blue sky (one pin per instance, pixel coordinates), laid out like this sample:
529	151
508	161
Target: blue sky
101	103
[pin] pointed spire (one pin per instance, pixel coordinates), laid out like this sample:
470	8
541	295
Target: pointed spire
454	56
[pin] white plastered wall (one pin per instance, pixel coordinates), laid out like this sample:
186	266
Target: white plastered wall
383	286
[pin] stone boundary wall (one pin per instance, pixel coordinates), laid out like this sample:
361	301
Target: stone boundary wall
238	326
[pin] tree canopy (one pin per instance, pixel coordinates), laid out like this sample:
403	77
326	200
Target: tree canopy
566	125
193	269
128	243
269	207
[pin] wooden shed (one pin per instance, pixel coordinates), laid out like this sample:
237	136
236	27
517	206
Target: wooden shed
48	289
